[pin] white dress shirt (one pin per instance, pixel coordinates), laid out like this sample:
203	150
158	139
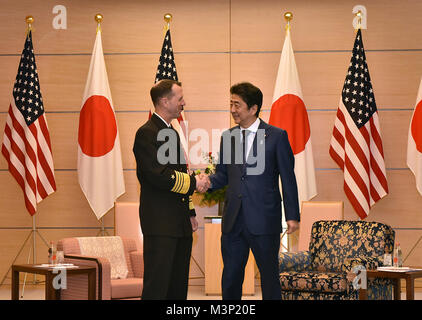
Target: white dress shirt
253	128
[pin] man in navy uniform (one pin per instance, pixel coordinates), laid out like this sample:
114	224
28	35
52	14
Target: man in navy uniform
166	210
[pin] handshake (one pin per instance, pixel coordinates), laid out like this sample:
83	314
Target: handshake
203	182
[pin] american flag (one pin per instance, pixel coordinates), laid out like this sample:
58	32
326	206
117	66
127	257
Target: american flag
26	141
167	70
356	144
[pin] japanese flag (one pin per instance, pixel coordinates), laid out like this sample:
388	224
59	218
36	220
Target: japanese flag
288	112
100	169
414	142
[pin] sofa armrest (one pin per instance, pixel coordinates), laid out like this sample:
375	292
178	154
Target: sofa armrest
103	277
381	286
294	261
368	263
137	260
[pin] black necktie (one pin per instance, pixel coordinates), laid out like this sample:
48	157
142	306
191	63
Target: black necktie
245	134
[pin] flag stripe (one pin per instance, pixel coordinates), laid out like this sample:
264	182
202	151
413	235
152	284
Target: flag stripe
16	165
47	175
40	191
376	138
356	204
358	197
21	145
29	204
336	157
21	151
44	141
378	153
378	178
356	176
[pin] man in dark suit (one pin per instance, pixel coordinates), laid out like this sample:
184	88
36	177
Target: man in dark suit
253	155
166	210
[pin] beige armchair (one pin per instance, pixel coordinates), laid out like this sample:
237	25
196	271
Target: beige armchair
107	288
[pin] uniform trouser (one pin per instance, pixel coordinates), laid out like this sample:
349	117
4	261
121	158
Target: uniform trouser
235	247
166	267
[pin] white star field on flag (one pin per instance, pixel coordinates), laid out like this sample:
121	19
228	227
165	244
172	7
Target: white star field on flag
358	96
166	67
26	90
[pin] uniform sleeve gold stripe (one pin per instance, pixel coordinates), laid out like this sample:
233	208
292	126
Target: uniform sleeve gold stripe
182	183
186	183
176	185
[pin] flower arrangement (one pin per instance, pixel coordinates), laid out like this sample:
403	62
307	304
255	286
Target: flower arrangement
214	197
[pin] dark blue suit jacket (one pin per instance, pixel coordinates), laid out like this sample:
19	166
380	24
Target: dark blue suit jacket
258	194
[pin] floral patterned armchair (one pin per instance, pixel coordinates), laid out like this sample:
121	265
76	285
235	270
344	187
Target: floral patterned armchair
325	271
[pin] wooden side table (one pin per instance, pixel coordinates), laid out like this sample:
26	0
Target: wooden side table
409	276
50	292
214	262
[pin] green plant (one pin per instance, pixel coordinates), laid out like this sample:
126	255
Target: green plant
214	197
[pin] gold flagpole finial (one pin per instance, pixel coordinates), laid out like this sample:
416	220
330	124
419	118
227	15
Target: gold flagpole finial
359	16
288	16
99	18
167	18
29	20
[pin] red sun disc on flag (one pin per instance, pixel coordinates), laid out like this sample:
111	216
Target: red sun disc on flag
296	125
417	127
97	127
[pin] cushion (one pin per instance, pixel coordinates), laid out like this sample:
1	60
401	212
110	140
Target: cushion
126	288
110	248
313	281
294	261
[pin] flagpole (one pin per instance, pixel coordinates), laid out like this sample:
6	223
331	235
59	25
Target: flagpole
29	21
285	242
285	238
99	18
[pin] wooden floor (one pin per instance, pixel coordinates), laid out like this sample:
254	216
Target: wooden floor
195	292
